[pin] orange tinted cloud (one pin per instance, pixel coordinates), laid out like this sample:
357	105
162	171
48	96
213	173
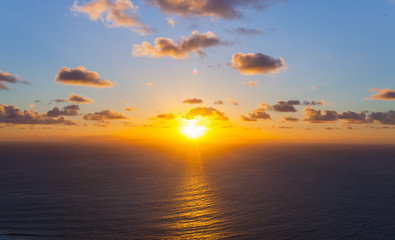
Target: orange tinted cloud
166	116
81	76
383	94
206	112
166	47
251	83
75	98
119	13
258	113
104	115
193	101
259	63
131	109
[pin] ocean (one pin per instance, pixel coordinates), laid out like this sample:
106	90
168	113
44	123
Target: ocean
124	191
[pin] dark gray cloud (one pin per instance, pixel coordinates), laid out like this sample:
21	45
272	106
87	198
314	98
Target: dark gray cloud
282	106
75	98
166	47
318	116
228	9
193	101
81	76
71	110
290	119
6	77
353	117
104	115
246	31
383	117
13	115
259	63
59	100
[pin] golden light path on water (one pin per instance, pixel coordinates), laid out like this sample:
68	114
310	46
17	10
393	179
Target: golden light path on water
195	212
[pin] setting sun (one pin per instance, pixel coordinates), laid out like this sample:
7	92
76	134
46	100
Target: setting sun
192	129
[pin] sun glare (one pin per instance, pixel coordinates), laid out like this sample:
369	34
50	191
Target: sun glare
191	129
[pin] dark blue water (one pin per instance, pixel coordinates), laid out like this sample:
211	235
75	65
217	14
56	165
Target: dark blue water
96	191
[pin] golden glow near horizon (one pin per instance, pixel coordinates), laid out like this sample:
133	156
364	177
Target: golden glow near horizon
192	128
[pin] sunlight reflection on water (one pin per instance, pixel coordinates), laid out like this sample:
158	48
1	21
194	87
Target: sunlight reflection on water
195	213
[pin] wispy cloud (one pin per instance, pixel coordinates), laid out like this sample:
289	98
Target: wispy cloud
118	13
228	9
6	77
166	47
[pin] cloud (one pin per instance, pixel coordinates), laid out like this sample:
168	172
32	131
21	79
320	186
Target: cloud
319	102
218	102
166	47
171	22
282	106
75	98
8	78
130	109
316	116
104	115
228	9
166	116
290	119
59	100
81	76
233	100
206	112
288	106
259	63
71	110
246	31
251	83
383	94
353	117
258	113
383	117
193	101
118	13
150	84
13	115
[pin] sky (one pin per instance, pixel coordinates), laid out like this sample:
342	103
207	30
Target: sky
256	70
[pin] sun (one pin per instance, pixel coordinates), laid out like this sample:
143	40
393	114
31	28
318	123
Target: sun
192	129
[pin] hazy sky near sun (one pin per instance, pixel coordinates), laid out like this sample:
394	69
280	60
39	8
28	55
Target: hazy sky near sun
285	69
